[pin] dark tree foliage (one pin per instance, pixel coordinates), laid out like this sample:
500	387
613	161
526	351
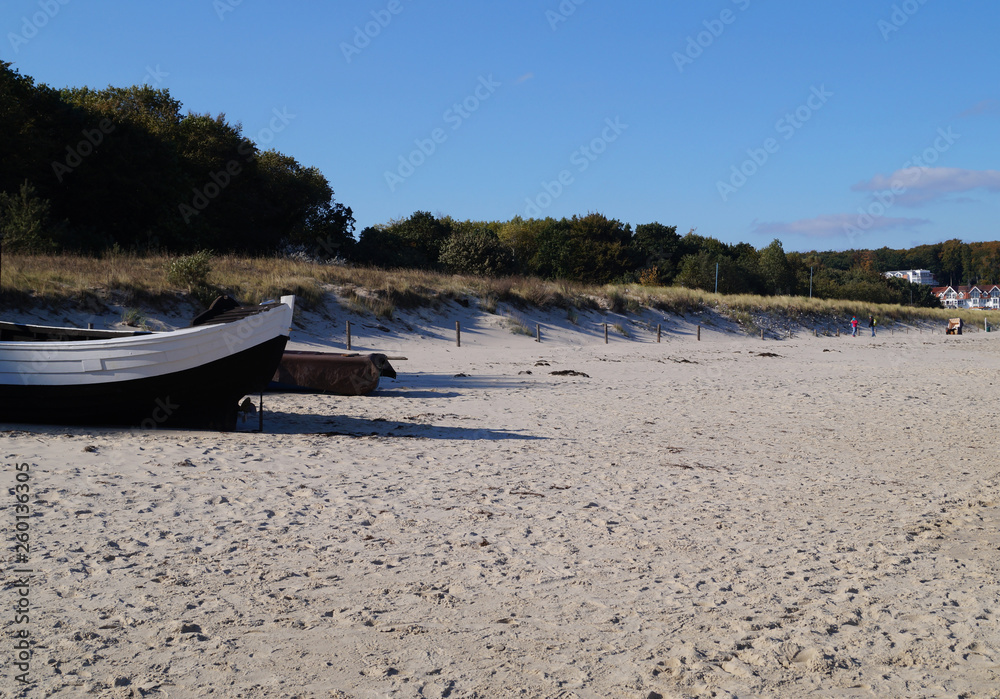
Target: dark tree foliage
381	247
477	251
703	269
592	249
26	223
659	248
522	237
413	242
124	166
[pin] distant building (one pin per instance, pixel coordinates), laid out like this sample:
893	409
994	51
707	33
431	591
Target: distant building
916	276
979	296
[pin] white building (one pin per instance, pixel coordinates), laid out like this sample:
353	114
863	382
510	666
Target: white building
980	296
916	276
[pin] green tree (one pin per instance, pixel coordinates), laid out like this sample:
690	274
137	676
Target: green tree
26	223
523	237
329	230
124	166
658	247
703	271
382	247
924	257
591	249
35	125
692	243
477	251
153	111
420	236
950	259
775	271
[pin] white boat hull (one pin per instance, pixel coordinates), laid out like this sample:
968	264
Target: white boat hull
191	377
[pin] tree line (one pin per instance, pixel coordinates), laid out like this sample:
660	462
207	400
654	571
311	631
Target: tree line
86	170
595	249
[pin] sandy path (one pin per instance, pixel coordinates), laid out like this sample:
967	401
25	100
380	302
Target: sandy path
690	519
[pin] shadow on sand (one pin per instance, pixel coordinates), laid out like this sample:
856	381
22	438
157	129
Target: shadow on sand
444	385
278	422
424	386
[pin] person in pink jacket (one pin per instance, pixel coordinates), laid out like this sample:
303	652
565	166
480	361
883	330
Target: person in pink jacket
854	327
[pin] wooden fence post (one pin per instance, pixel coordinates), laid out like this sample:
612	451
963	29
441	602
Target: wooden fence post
699	333
605	333
458	334
348	335
538	332
657	332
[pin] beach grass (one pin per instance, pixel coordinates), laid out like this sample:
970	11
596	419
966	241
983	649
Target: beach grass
144	281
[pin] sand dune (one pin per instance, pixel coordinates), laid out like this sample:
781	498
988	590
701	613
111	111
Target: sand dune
730	517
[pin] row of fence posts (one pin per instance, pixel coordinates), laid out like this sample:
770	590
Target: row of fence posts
659	333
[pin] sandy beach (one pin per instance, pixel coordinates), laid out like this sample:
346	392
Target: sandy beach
729	517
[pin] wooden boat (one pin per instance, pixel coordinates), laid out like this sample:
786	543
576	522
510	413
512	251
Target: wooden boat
192	377
330	372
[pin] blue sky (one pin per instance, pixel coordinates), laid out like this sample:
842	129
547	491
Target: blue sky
827	124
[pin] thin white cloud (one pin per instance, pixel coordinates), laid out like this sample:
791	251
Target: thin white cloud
836	225
914	186
524	78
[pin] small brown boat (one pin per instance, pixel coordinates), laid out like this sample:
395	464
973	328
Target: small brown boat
330	372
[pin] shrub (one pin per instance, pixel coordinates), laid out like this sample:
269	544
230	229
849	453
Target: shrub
25	222
518	325
617	301
488	303
135	318
650	276
190	271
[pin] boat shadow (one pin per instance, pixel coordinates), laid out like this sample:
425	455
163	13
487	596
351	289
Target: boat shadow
297	422
428	385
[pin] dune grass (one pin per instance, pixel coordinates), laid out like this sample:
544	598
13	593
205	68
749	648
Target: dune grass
141	281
